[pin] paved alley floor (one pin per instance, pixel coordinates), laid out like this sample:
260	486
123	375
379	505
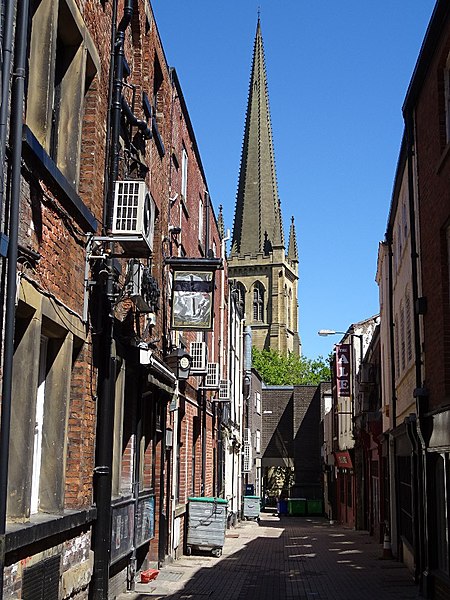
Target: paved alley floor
294	558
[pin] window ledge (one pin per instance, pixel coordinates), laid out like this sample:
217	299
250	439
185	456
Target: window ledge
180	509
56	177
44	525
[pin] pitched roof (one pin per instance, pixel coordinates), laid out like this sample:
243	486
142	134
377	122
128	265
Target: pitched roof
257	223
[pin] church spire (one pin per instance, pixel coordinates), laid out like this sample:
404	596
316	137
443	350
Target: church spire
257	223
292	248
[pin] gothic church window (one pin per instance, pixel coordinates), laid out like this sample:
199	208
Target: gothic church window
240	294
258	302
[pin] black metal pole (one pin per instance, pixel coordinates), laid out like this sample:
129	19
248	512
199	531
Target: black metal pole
17	97
422	560
106	371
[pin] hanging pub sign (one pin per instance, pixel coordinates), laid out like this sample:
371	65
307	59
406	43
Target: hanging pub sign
343	354
193	285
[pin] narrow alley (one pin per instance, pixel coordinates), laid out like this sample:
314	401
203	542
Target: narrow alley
285	558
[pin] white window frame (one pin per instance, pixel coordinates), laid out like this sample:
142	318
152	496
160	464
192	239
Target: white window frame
184	173
39	426
258	402
200	220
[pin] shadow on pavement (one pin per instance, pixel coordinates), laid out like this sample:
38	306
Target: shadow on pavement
297	558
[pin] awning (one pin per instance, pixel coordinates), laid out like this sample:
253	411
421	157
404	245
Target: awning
158	373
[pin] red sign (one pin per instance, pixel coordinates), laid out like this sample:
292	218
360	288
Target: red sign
343	355
343	460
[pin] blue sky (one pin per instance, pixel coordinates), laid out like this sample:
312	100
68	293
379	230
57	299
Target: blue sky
337	76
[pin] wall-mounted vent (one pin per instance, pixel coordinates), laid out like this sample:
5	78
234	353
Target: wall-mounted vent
41	581
137	283
367	373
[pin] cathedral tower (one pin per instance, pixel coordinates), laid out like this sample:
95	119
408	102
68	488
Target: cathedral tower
266	277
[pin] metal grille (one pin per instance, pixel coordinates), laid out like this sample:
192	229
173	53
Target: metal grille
198	354
212	375
127	206
41	581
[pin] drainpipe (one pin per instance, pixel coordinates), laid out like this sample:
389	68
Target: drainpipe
6	73
222	308
133	120
112	64
394	508
16	125
420	393
205	337
393	402
106	359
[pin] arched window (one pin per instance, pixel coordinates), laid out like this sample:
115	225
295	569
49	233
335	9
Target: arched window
258	302
290	319
286	305
240	294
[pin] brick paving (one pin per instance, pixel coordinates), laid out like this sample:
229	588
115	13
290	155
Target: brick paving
287	558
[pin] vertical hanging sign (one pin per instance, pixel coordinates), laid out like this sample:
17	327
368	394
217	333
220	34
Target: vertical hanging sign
343	354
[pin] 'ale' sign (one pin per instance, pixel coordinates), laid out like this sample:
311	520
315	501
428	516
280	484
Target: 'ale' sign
343	354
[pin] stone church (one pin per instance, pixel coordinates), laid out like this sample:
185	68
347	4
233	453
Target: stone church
266	275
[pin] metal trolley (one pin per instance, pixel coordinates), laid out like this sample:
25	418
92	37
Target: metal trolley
207	520
252	507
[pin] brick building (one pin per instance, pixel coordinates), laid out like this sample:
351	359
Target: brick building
413	276
292	438
105	438
427	124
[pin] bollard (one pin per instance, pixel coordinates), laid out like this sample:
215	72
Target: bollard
387	550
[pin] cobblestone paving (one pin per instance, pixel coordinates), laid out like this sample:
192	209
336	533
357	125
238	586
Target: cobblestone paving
292	558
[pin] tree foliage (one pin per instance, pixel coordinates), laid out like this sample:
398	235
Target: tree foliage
276	369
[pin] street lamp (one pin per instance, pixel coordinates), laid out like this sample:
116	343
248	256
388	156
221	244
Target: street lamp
349	332
325	332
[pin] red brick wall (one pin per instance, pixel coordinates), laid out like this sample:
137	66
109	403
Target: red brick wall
434	214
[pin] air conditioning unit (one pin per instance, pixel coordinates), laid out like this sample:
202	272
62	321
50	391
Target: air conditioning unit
247	458
133	217
367	373
136	275
224	389
199	353
212	376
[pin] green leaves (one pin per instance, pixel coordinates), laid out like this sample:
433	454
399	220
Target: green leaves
276	369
